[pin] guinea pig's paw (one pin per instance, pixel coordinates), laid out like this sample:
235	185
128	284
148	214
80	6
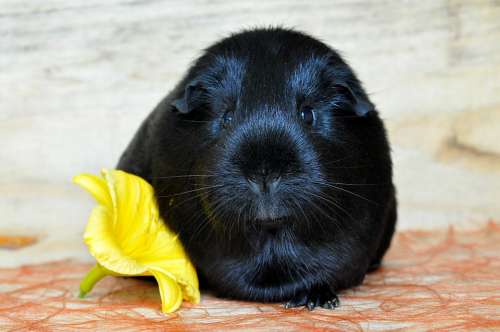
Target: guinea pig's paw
321	296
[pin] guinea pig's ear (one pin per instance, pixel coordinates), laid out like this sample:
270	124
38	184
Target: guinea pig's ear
361	105
192	98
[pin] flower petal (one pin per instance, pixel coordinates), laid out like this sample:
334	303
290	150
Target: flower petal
183	272
170	291
96	186
136	214
100	238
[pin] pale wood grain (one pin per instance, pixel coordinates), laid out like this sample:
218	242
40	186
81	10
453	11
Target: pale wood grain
77	77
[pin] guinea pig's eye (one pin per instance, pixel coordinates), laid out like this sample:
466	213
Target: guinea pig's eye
227	118
307	115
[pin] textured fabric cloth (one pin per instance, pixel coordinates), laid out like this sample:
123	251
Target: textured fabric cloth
429	280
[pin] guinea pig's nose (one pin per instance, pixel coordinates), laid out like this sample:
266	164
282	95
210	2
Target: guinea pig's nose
264	182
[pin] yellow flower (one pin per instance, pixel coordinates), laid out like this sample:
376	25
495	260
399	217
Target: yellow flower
127	237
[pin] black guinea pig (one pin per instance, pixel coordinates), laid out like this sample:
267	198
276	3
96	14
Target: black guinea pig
273	166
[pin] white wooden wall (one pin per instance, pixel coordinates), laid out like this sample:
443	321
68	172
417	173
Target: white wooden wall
76	77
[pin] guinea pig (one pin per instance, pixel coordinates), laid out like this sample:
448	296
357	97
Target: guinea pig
271	163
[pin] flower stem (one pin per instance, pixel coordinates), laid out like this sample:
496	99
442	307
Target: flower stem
92	277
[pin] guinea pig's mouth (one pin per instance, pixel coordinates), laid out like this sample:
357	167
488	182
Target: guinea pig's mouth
272	222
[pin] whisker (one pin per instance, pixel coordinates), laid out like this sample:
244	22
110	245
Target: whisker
329	217
205	222
333	203
190	191
191	198
347	191
216	207
202	221
295	203
361	184
358	166
337	160
183	176
195	121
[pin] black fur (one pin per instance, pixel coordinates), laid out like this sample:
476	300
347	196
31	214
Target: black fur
273	166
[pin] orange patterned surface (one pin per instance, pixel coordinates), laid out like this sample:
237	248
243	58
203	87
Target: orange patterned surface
446	280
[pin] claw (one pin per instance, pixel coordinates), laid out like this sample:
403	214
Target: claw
331	303
322	297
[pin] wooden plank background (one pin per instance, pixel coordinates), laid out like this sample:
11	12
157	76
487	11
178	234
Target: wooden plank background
76	77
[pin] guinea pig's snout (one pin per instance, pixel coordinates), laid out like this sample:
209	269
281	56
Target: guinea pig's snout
264	164
267	160
264	182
